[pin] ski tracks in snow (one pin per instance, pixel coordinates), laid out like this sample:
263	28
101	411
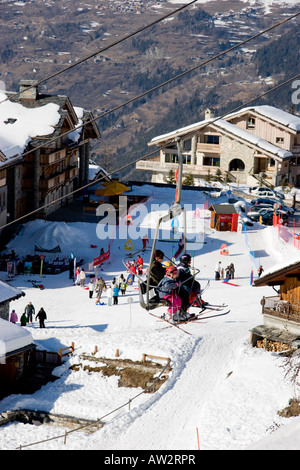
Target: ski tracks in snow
202	363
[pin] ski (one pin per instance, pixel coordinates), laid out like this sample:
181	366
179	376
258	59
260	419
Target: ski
208	305
196	319
170	324
201	316
199	319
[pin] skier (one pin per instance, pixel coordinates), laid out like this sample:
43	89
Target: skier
232	270
91	288
168	290
260	270
42	317
109	293
23	319
30	311
228	272
82	277
77	282
139	264
190	288
132	270
218	271
100	285
13	317
116	294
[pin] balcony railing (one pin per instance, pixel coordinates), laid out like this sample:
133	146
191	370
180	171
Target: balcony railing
50	183
201	147
164	167
53	157
281	308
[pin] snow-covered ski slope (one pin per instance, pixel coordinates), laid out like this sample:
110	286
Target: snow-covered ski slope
219	385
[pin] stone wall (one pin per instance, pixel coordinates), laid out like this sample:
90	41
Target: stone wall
4	311
231	149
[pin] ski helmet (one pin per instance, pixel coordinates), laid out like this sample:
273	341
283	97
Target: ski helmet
167	263
171	270
185	259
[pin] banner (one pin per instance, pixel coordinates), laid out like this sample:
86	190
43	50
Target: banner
56	249
102	258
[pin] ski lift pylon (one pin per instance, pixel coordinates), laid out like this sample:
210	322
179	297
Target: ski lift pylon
146	291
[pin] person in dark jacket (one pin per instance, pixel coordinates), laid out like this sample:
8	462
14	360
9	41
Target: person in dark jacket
157	270
30	311
190	288
23	319
42	317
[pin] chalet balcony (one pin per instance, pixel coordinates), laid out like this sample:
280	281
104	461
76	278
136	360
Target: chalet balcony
51	183
279	308
165	167
208	148
71	173
296	148
53	157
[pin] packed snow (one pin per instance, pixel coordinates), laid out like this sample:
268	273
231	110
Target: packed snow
221	393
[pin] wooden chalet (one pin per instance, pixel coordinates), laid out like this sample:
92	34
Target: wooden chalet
17	351
224	217
281	312
7	294
44	170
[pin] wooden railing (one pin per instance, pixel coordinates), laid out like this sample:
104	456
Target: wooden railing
46	357
280	308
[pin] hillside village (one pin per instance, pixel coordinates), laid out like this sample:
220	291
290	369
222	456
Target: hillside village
38	41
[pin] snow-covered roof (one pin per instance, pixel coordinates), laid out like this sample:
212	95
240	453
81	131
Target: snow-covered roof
230	128
19	124
13	337
278	270
95	171
264	145
8	292
279	116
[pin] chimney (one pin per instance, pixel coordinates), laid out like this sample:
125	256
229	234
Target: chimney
28	90
209	113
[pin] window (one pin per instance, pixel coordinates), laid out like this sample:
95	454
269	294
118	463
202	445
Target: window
251	123
186	159
187	144
171	158
211	161
279	140
272	162
212	139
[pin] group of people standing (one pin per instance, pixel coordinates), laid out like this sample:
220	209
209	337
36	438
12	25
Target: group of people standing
112	291
229	271
28	315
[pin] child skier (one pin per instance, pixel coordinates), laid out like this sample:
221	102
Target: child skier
167	290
